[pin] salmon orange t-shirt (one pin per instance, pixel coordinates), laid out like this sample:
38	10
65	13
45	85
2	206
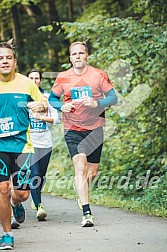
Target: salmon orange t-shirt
94	83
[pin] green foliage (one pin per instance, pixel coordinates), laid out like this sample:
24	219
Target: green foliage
155	198
6	4
151	10
138	142
105	7
137	45
142	45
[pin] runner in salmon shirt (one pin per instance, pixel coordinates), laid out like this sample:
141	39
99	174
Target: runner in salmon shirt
87	91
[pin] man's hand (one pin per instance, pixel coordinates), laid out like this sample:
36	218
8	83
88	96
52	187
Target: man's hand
67	107
36	106
37	116
89	102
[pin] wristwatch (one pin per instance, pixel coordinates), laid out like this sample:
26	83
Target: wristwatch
43	108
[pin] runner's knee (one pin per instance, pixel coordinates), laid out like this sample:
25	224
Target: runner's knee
79	162
80	169
5	188
22	195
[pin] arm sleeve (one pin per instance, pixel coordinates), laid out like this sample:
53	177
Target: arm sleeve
54	101
55	115
109	100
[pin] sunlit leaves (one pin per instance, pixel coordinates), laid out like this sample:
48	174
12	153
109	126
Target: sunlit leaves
45	28
6	4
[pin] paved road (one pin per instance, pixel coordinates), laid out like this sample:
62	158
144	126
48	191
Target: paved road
115	230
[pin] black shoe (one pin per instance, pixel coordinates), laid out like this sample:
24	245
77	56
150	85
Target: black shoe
14	224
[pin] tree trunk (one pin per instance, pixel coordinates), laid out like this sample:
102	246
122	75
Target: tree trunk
53	14
70	10
1	31
53	17
17	35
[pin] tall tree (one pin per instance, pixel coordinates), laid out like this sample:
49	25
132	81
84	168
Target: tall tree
17	34
70	9
54	48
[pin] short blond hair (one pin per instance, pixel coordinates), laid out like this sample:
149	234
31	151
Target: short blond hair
78	43
9	46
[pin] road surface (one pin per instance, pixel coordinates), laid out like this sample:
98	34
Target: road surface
114	231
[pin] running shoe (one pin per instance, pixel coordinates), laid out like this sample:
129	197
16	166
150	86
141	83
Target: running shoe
41	214
33	205
14	224
87	220
6	242
78	202
19	213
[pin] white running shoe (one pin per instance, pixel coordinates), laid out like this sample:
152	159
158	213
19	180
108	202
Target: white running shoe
87	220
41	214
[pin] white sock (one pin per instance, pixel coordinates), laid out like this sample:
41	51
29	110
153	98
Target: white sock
11	202
8	233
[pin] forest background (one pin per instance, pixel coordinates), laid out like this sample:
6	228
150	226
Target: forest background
128	40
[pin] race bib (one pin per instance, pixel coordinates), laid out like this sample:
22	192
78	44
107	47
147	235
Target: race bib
37	125
9	126
79	92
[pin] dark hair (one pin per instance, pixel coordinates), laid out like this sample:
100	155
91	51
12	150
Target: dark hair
9	46
34	71
79	43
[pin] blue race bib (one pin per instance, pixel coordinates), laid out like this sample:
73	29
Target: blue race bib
37	125
79	92
9	126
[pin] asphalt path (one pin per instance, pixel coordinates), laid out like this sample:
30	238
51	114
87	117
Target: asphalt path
115	230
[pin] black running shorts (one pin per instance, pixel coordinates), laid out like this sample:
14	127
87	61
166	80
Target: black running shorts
18	166
88	142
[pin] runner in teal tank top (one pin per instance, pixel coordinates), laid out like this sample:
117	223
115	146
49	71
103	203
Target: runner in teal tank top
18	94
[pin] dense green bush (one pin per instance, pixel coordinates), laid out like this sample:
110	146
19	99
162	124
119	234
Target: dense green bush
135	142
